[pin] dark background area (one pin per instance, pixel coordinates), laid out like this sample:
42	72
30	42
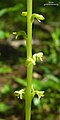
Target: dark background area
46	74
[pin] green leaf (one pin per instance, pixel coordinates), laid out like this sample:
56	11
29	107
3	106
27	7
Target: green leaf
3	11
5	69
11	9
19	80
52	77
4	107
6	89
38	84
2	34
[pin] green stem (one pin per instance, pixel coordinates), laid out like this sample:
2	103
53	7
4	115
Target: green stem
29	29
29	55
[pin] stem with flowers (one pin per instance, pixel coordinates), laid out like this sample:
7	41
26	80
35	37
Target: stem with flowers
29	92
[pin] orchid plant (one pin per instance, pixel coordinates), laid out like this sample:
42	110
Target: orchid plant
28	93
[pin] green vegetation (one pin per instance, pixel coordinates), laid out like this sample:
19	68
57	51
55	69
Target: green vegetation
31	60
13	63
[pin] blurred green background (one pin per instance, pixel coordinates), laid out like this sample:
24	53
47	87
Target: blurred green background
46	74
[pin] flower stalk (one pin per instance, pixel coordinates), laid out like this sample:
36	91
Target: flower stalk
29	92
29	55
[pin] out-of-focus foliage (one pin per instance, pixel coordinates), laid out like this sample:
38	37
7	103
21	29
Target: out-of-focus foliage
5	69
3	107
10	14
46	74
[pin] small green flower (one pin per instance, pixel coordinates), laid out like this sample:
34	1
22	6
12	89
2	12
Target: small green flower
39	93
37	16
20	93
38	56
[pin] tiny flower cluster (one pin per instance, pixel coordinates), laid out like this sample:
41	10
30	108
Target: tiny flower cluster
34	15
21	93
36	57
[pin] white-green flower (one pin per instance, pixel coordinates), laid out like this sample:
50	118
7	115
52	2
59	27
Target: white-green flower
20	93
38	56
